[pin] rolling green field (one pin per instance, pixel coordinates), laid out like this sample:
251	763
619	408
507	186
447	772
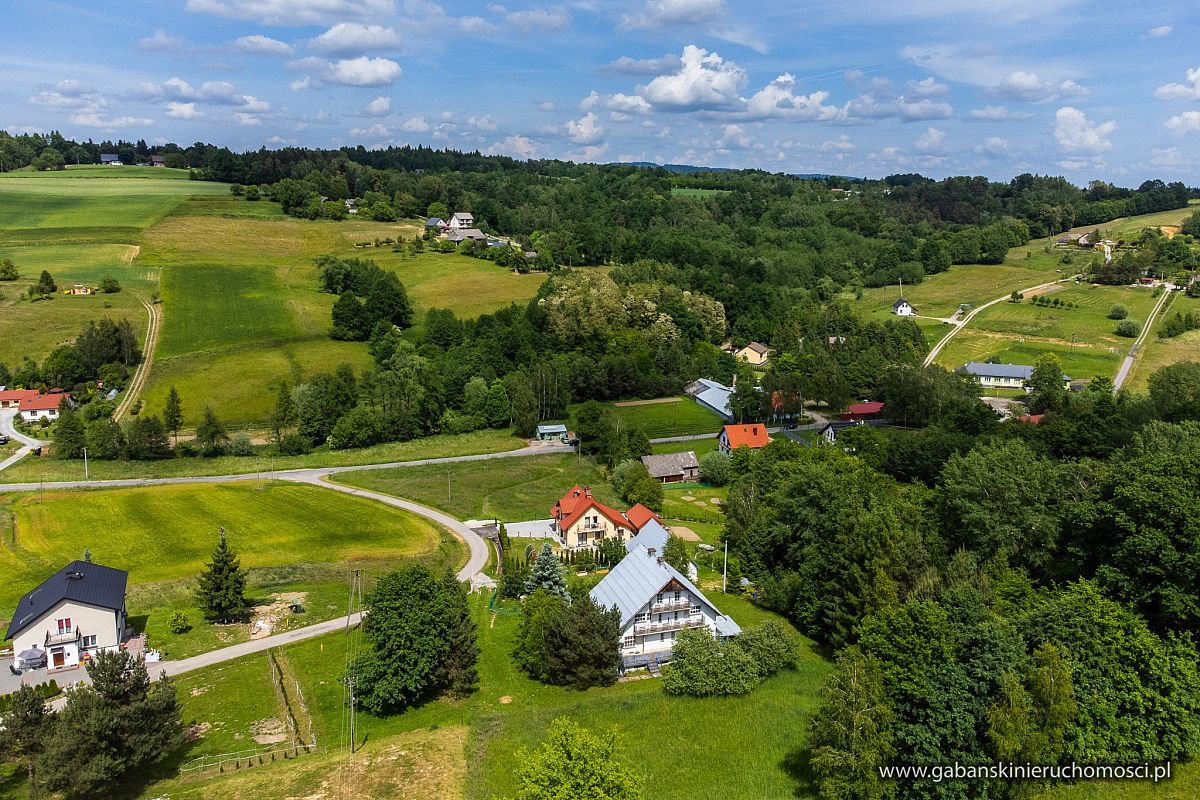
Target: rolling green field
1157	353
508	489
33	470
291	538
679	416
1020	332
240	298
679	191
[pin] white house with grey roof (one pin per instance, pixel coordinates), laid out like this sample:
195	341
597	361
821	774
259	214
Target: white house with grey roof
461	220
656	602
77	611
1002	376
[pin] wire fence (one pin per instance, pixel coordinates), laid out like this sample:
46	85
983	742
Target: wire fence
245	759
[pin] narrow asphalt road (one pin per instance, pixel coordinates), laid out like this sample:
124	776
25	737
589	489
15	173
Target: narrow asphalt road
1136	347
8	429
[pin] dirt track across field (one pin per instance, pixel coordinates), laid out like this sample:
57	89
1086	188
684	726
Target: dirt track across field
656	401
153	325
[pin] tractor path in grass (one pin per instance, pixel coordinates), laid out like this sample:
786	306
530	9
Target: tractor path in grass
153	326
1127	362
962	323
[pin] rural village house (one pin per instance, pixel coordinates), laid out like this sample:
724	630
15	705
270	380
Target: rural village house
673	467
461	220
1002	376
76	612
754	354
578	520
732	437
656	602
711	395
902	308
12	398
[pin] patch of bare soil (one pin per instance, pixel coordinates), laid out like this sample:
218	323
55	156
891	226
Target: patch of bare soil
656	401
687	534
197	731
716	501
199	690
269	731
687	498
267	618
506	699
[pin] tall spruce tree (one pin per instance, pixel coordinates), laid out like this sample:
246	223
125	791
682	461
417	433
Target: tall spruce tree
173	413
284	416
458	668
211	435
70	435
222	592
546	573
24	729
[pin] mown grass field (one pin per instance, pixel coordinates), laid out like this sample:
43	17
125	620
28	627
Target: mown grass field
444	446
1157	353
697	446
1011	331
678	416
508	489
240	298
291	538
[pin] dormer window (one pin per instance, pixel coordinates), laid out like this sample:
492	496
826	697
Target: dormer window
64	626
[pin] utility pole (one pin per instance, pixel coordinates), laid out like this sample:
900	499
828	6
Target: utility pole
725	569
447	486
356	591
85	465
351	702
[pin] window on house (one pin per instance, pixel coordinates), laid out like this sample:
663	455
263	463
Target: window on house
630	641
659	599
64	625
89	641
644	616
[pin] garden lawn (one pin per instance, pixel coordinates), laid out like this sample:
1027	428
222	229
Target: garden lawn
668	416
698	446
700	508
33	469
164	534
467	286
508	489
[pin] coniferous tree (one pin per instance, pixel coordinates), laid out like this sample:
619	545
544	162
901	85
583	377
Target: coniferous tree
70	435
173	413
211	436
284	416
458	669
582	645
222	592
24	729
546	573
121	723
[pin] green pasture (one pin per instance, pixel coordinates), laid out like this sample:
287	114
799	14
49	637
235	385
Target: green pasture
48	468
697	446
36	328
1157	353
508	489
680	191
165	533
1088	321
680	416
1081	361
1129	227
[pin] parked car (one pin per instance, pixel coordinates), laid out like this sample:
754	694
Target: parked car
3	439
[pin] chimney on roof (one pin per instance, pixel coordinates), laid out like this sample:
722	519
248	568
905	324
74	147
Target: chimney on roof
74	576
650	551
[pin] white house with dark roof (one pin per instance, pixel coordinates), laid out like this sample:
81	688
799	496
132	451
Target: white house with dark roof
656	602
1002	376
461	220
77	611
902	308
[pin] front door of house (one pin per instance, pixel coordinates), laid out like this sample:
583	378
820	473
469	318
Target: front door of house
57	657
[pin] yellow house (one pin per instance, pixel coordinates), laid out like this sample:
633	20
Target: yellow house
754	354
582	520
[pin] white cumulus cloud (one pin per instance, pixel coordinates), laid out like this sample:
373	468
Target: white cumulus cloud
928	88
543	19
1187	122
262	45
1028	87
379	107
585	130
1075	132
183	111
361	71
353	38
645	66
1161	30
294	12
932	140
995	114
1181	91
518	146
779	99
108	123
704	80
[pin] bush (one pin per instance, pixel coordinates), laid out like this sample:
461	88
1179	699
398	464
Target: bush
186	450
1128	328
179	623
715	468
240	445
769	646
110	285
703	667
295	444
1118	311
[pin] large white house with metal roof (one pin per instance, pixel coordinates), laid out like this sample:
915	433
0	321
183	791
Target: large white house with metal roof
656	602
1001	376
76	612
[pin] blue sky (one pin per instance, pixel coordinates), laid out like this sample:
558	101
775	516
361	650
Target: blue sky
1107	90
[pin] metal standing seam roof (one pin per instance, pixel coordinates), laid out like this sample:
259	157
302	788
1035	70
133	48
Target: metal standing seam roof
637	578
551	428
715	396
652	534
983	369
80	582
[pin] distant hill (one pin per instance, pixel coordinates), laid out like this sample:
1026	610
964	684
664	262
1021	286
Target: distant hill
689	169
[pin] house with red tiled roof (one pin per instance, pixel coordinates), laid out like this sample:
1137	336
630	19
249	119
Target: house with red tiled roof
857	411
753	435
582	521
1032	419
41	406
12	398
639	516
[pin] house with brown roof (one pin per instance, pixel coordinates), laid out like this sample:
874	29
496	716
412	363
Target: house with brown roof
639	517
43	406
12	398
673	467
754	354
732	437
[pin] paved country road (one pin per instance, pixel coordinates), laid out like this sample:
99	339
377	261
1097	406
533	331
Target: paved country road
962	323
1127	362
8	429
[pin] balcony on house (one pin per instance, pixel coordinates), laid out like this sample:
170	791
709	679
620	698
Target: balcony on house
66	637
682	604
692	621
